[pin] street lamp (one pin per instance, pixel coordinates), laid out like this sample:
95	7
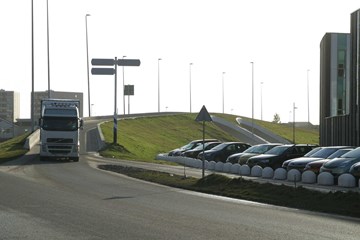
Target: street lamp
87	62
123	86
223	92
294	122
159	59
308	101
32	68
48	46
190	64
261	99
252	98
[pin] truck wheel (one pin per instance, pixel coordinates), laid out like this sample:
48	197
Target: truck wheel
42	158
75	159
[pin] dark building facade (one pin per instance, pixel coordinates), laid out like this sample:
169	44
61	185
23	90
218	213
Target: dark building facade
339	86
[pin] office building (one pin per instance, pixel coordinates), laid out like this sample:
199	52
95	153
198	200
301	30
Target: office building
9	105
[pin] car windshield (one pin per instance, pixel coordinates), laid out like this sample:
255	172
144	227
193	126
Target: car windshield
312	152
60	124
352	154
278	150
259	149
324	153
219	147
339	153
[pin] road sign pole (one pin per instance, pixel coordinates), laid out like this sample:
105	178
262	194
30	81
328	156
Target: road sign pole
115	106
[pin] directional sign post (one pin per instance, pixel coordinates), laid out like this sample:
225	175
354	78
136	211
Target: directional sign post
203	116
112	71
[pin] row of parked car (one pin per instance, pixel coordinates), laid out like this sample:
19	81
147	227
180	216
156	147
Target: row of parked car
334	159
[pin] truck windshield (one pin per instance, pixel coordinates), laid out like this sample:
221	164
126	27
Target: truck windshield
60	124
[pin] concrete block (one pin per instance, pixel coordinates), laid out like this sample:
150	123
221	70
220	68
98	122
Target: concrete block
280	174
235	168
308	177
244	170
227	167
212	165
267	172
326	179
219	166
294	175
256	171
347	180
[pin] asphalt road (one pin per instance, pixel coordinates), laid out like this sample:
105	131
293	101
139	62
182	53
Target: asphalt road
68	200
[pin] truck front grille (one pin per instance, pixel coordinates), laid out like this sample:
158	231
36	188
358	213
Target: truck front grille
60	140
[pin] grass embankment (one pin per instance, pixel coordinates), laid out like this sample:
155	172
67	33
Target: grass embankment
12	148
302	134
143	138
347	204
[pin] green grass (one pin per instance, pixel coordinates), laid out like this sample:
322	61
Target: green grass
302	135
347	204
144	138
13	148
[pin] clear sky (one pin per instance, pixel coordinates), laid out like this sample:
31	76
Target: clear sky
281	37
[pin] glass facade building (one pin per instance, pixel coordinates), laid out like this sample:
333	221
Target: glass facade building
339	86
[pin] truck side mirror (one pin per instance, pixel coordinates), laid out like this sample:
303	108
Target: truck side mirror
40	122
81	123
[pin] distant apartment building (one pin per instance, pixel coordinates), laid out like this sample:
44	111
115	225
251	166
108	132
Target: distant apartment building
9	105
340	86
38	96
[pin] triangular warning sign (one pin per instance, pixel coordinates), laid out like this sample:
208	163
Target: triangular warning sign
203	115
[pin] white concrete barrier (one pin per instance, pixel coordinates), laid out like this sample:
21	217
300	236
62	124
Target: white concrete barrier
219	166
267	172
256	171
308	177
347	180
280	174
32	139
198	163
235	168
212	165
244	170
189	162
227	167
294	175
326	179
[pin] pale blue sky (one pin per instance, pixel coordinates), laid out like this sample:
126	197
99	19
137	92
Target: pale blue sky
281	37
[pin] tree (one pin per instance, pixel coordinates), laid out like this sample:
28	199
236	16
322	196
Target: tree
276	118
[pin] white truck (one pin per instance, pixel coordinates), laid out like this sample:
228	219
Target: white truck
59	129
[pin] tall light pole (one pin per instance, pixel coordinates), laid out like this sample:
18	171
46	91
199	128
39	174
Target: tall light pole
87	62
252	98
261	99
223	97
48	46
294	122
123	86
159	59
32	67
308	100
190	64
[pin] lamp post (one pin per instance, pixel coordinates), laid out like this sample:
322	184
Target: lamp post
261	99
294	122
159	59
252	98
87	62
223	92
123	86
32	68
48	46
308	100
190	64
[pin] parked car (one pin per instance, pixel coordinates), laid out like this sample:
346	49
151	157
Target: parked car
313	151
190	145
316	165
193	153
342	164
325	152
355	170
223	150
277	155
241	158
